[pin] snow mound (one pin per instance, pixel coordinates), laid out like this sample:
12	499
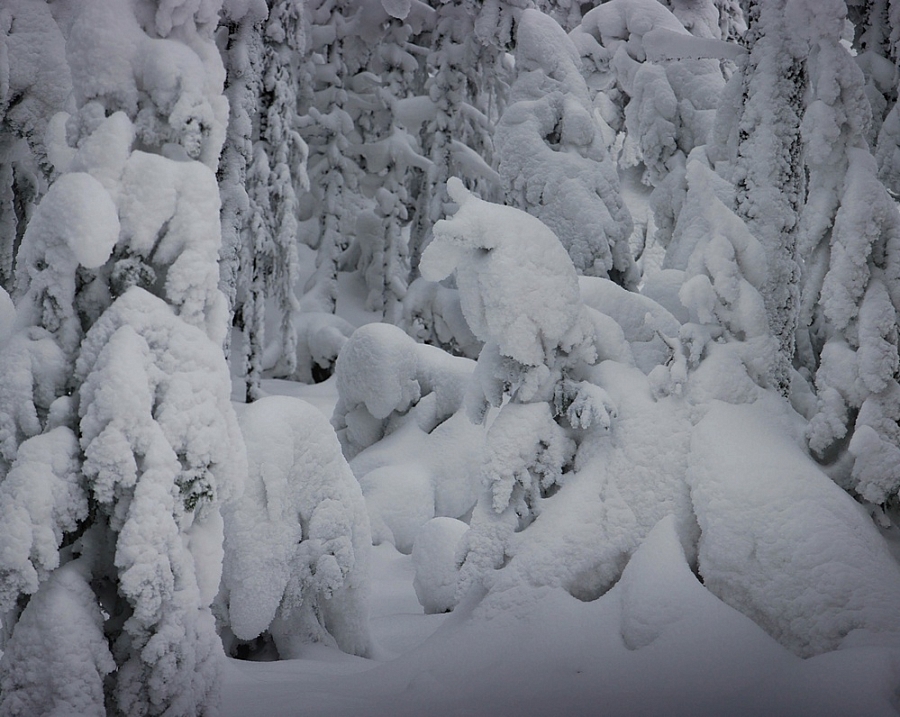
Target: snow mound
399	499
782	543
663	600
381	374
297	541
434	560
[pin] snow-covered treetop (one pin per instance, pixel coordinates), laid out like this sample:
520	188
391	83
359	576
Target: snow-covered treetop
517	285
157	65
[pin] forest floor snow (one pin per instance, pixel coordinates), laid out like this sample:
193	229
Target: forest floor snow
657	643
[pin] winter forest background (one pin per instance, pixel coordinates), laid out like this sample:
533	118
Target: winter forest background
601	303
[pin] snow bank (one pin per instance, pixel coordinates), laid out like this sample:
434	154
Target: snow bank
779	541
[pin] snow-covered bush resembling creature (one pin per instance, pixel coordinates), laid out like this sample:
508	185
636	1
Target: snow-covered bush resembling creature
571	494
297	541
519	293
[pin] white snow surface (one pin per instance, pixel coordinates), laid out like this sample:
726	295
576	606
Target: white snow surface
563	656
660	641
780	541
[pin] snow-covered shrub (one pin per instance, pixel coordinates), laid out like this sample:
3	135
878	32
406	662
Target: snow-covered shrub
629	324
60	657
319	338
297	541
381	374
552	154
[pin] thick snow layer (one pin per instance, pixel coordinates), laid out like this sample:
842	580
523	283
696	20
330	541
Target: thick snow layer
169	213
297	541
659	642
782	543
171	89
161	453
563	656
75	224
414	475
77	214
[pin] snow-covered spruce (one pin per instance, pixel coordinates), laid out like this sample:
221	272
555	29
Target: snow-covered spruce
519	293
116	381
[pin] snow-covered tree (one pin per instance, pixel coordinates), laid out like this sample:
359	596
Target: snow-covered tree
724	274
552	154
328	129
877	42
658	86
768	169
120	443
465	86
242	56
35	83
